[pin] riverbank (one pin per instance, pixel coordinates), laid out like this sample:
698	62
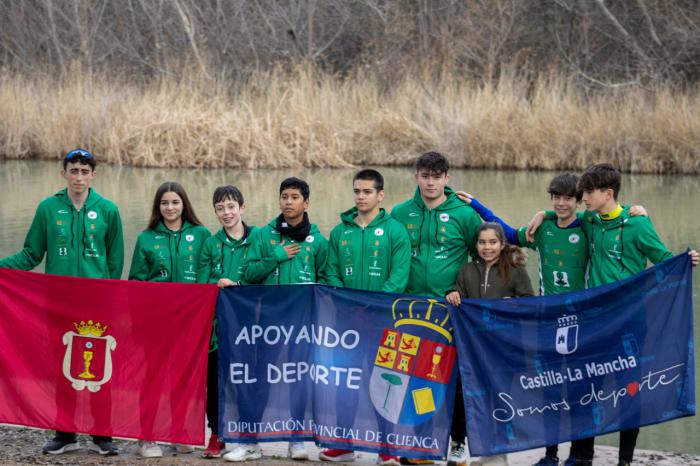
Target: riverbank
23	446
309	118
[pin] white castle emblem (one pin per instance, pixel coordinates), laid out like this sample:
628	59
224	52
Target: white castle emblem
567	334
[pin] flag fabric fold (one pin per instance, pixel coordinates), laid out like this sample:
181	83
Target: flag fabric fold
545	370
345	368
104	357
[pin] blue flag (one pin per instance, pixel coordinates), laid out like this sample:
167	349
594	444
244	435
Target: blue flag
345	368
545	370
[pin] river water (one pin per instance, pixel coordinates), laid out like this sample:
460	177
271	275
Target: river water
515	195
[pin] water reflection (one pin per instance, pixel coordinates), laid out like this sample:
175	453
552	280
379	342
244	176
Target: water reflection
512	194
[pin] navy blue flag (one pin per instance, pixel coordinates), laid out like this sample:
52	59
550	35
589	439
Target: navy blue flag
347	369
541	371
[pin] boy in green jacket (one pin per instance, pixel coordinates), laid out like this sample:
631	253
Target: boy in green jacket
288	250
81	234
441	228
221	262
368	250
620	246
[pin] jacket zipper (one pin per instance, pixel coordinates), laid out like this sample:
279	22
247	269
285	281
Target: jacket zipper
362	261
486	281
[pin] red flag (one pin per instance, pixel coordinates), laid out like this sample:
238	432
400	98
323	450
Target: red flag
104	357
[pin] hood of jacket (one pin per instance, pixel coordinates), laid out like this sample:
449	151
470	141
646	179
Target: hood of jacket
452	202
226	239
348	217
614	223
92	198
161	228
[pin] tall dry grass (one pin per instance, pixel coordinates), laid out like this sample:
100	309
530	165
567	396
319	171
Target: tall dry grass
308	118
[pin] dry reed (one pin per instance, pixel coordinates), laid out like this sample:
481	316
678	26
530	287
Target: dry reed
309	118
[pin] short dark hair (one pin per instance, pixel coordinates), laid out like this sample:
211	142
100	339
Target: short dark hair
434	162
187	210
370	175
296	183
565	185
601	176
80	156
229	192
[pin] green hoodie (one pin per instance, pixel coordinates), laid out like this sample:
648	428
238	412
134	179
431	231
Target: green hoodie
162	255
223	257
621	247
267	261
441	241
79	243
374	258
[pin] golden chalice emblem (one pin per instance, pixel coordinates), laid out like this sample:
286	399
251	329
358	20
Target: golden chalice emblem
437	356
87	358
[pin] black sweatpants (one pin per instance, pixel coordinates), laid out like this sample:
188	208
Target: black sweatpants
458	432
213	391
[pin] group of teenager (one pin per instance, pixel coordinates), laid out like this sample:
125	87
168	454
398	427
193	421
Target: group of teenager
434	244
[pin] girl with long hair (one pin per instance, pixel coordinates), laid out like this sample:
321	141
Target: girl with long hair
168	250
498	272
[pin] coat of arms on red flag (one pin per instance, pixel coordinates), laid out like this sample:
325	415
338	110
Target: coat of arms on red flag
88	362
414	362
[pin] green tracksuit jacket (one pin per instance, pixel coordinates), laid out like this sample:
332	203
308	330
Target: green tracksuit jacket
621	247
563	256
161	255
441	241
267	261
223	257
79	243
374	258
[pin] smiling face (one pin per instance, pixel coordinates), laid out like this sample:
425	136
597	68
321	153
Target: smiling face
171	207
78	177
228	212
489	246
293	205
564	206
366	196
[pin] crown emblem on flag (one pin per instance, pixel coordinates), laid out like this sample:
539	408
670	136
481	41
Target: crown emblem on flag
567	321
90	328
428	313
414	360
87	362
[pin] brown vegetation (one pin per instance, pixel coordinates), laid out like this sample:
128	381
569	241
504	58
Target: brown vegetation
274	83
280	119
